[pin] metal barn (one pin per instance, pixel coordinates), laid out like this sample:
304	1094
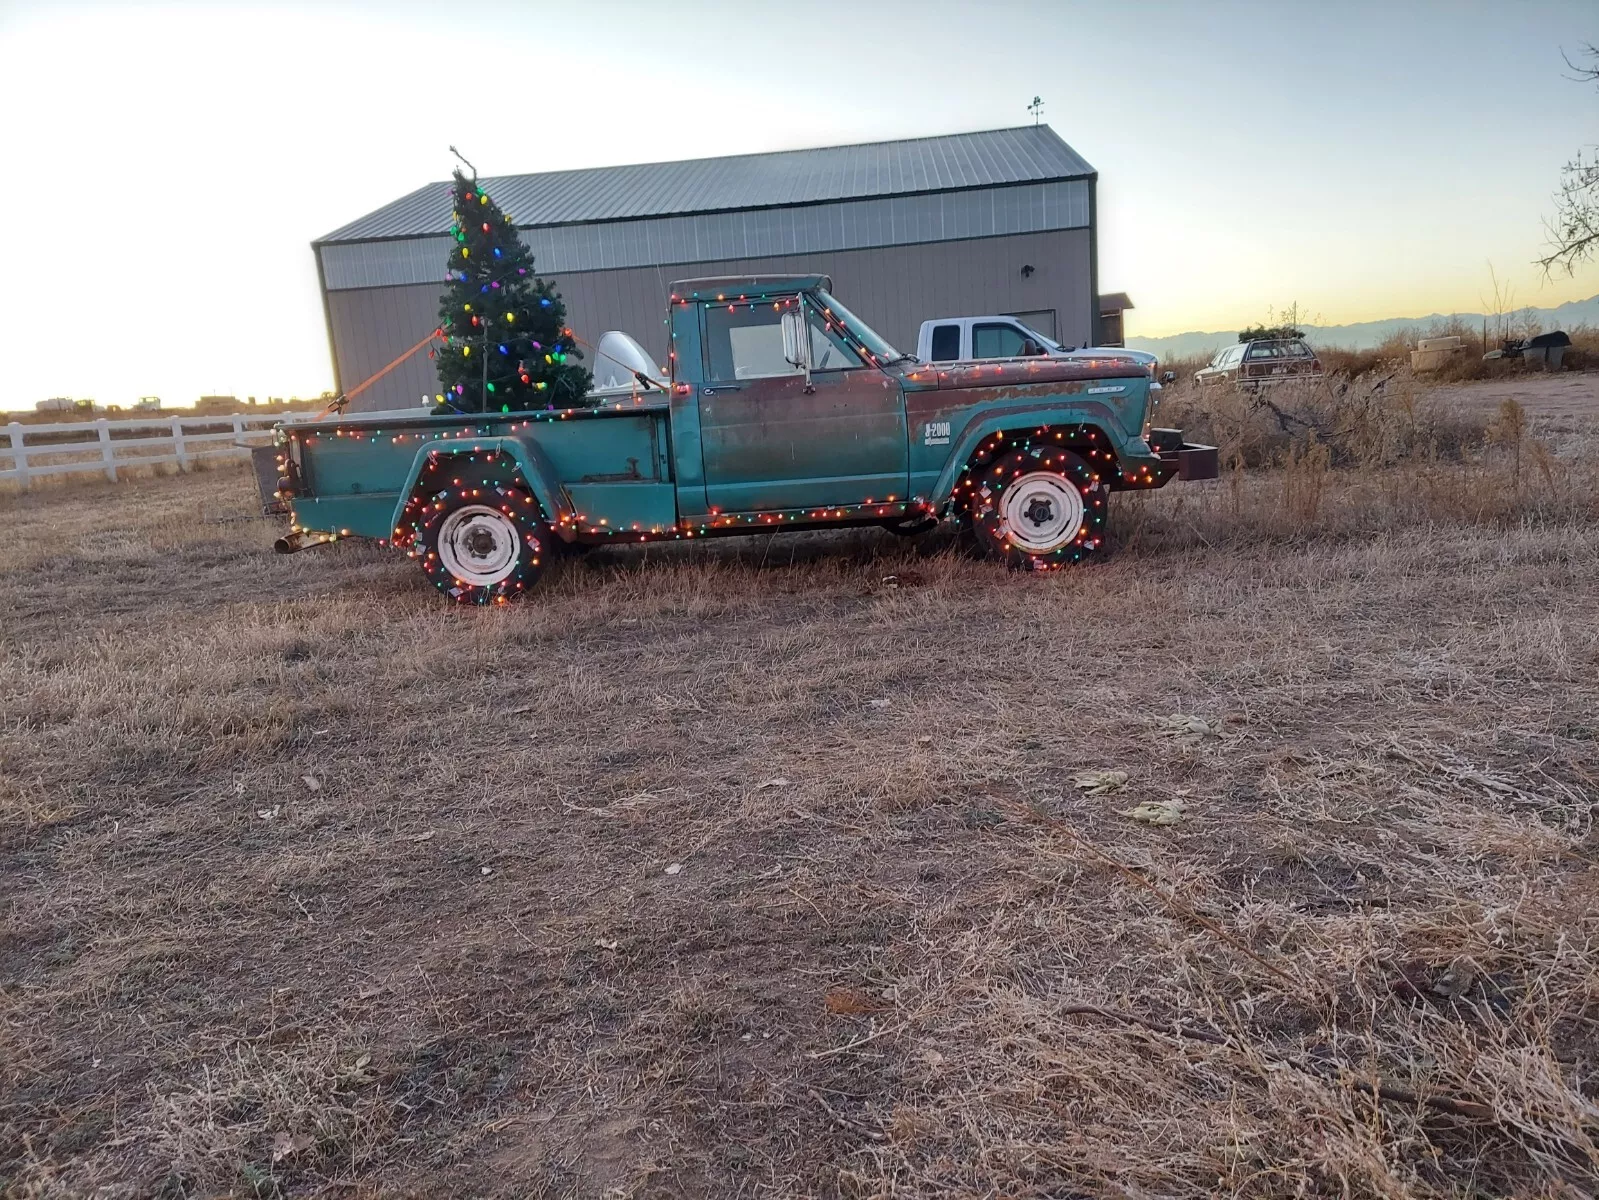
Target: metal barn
995	222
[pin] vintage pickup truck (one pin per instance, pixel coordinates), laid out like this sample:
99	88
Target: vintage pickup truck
779	410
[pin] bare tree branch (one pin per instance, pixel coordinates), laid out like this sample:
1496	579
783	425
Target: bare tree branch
1573	231
1580	73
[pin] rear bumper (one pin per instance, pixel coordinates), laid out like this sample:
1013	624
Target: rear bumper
1255	382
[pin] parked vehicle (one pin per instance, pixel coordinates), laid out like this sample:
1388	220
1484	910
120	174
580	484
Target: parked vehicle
1547	349
782	410
1261	363
970	339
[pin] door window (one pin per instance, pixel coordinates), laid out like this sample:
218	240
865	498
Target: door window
745	341
996	341
946	343
829	350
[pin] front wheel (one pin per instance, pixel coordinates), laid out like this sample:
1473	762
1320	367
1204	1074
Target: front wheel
1039	508
482	545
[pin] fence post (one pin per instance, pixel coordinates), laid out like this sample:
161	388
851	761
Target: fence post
19	454
106	455
178	446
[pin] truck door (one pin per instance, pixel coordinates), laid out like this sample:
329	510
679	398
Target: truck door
769	443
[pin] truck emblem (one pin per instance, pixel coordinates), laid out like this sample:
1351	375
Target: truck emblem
1095	391
935	433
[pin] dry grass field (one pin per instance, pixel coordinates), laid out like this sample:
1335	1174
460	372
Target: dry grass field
761	868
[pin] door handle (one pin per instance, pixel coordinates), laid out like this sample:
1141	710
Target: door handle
721	387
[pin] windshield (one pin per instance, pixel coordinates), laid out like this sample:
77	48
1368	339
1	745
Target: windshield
860	330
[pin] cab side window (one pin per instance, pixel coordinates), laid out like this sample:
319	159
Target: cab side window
946	343
996	341
745	341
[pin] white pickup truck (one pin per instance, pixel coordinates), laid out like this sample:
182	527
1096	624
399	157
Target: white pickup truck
965	339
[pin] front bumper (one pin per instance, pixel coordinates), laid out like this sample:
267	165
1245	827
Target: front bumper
1191	461
1170	458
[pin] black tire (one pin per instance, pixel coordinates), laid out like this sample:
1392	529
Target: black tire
482	545
1057	518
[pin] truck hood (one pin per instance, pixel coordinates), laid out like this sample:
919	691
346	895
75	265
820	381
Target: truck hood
1010	372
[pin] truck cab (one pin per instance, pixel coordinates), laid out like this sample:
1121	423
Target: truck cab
780	409
969	339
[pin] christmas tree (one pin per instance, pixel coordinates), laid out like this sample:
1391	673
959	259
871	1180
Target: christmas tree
506	344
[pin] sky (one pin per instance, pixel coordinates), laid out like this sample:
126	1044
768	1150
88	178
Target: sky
166	166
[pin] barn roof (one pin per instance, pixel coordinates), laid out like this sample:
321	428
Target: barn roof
953	162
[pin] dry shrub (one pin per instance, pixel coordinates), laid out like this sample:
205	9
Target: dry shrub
1370	421
1305	499
1304	477
1394	352
1184	367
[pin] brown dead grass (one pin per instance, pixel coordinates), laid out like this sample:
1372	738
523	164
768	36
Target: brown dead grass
902	956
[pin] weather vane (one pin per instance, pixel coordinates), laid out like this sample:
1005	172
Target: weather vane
1037	109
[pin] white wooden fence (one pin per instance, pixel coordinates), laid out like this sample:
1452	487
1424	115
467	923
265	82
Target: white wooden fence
104	446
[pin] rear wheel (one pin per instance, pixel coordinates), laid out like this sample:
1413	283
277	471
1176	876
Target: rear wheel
482	545
1039	508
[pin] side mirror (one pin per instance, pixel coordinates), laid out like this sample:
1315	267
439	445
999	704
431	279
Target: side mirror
797	341
796	346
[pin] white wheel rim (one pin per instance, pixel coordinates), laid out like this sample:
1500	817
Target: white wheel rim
479	545
1042	512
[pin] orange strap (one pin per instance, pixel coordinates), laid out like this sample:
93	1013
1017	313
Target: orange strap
339	402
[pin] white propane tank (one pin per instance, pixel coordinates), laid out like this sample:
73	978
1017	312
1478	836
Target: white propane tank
615	359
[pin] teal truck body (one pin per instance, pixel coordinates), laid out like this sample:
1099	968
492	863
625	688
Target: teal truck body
779	410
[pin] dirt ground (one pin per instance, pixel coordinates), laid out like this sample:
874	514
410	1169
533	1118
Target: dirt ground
762	868
1568	400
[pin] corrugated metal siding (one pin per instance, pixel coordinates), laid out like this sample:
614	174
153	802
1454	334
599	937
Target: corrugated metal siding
372	328
849	225
1031	153
894	289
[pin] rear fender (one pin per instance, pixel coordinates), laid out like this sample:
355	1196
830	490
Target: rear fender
526	457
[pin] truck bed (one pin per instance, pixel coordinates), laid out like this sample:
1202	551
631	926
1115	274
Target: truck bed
352	472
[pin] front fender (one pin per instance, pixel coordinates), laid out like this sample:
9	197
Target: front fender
1022	418
531	463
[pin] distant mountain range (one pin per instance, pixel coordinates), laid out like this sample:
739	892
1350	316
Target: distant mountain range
1365	334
